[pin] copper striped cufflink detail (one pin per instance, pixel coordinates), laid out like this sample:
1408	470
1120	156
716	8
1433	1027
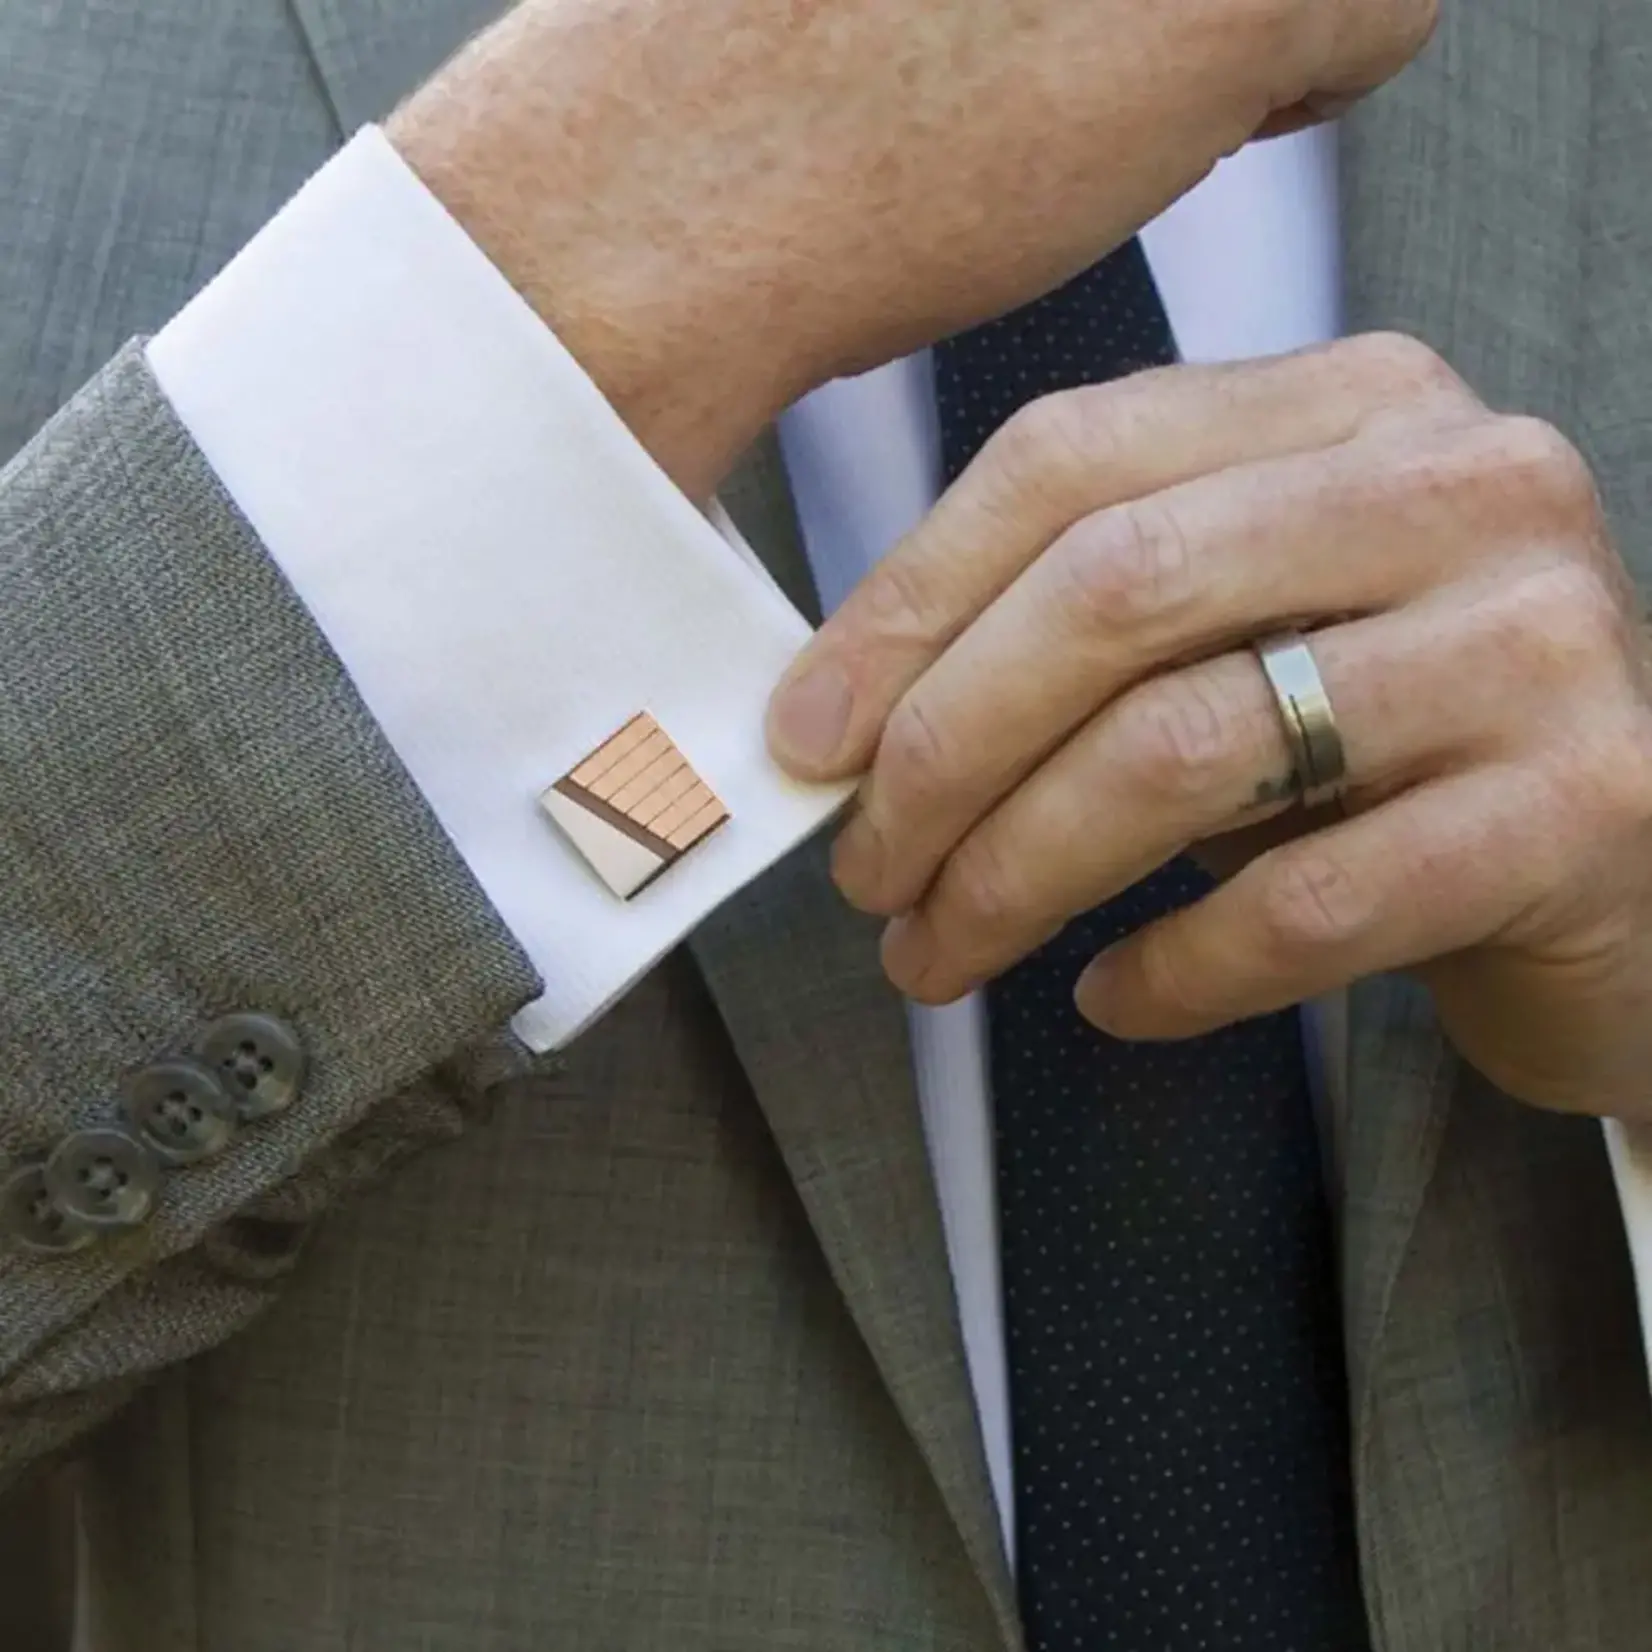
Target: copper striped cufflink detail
634	807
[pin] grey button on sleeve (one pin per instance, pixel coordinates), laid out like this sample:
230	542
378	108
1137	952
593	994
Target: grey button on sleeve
105	1178
176	1111
180	1110
259	1058
30	1218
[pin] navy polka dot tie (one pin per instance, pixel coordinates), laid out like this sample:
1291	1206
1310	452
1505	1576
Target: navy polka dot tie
1177	1397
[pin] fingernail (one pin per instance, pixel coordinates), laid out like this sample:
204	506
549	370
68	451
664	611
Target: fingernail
809	716
908	952
1094	991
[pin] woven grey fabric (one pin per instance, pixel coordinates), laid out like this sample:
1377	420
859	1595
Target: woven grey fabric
167	701
197	813
1502	1424
658	1349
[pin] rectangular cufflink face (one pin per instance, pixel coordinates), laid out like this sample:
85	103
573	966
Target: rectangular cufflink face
634	806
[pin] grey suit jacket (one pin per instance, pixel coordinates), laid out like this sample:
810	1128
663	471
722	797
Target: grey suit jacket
657	1348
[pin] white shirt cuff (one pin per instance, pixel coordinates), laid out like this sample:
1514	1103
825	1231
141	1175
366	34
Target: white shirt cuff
506	575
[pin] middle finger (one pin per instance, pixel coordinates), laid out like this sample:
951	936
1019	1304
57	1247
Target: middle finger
1128	591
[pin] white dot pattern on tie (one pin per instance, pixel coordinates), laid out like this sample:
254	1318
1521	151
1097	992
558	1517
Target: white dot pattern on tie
1179	1427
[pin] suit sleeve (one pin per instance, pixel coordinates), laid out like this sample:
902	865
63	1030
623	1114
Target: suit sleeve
303	606
201	822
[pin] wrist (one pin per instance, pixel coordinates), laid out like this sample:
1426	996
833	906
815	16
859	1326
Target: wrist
529	138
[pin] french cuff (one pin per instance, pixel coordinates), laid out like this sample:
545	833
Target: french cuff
1630	1149
569	658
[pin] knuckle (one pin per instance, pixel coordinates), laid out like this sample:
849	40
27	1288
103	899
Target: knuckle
1397	368
1049	446
1063	447
983	889
915	758
1534	460
1502	475
1176	739
1559	618
1311	904
1601	780
907	600
1125	567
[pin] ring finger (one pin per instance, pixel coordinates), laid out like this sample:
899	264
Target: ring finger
1196	753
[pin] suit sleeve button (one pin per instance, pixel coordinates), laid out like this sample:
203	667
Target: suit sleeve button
180	1110
104	1177
260	1061
30	1218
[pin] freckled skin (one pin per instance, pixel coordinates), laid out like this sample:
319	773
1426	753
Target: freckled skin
721	204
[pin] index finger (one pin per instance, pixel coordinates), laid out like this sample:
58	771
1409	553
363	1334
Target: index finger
1057	460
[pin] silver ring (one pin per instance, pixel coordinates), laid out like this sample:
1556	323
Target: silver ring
1318	761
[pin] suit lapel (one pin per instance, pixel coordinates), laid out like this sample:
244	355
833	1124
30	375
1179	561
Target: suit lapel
825	1043
1465	203
1466	200
1615	416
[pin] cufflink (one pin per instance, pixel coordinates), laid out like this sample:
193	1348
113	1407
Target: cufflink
633	807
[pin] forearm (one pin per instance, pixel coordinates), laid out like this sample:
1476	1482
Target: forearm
719	206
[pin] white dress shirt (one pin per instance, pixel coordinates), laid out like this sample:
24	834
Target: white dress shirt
508	577
1247	265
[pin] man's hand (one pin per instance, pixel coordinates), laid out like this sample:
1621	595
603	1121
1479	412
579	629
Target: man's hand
1050	690
722	203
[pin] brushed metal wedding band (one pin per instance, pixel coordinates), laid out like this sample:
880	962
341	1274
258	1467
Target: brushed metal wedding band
1318	760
